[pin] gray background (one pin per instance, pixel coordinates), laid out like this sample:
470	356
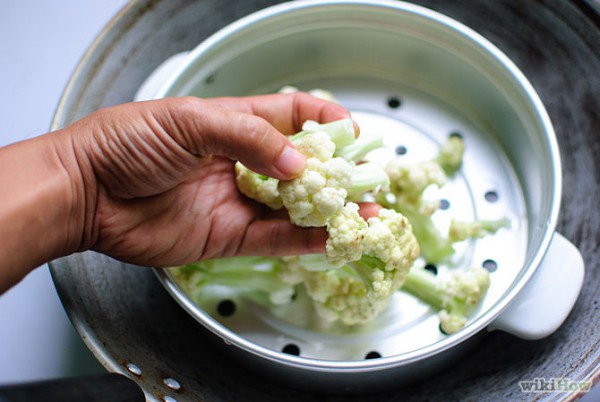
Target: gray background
41	42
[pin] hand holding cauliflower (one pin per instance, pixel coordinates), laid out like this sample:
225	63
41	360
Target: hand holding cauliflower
365	261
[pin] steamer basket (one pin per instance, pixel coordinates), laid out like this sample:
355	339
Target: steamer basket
418	77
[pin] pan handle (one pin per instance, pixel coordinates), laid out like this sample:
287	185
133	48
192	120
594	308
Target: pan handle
94	388
549	296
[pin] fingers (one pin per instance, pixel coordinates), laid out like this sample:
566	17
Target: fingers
287	112
368	210
249	129
282	238
204	128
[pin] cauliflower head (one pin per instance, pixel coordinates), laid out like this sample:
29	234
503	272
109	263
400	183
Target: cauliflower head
460	230
408	182
389	237
468	286
343	298
366	262
453	297
258	187
346	233
463	290
451	153
319	192
339	294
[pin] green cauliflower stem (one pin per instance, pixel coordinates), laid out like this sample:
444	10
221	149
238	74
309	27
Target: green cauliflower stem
254	277
408	183
367	177
460	230
450	156
437	247
453	297
364	144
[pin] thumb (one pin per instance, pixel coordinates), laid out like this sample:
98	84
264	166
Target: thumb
210	129
260	147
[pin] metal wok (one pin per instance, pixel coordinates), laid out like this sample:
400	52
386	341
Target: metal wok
135	328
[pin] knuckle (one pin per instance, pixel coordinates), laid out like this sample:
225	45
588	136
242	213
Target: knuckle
187	104
256	130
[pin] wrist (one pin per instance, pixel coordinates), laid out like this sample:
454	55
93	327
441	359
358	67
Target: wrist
43	209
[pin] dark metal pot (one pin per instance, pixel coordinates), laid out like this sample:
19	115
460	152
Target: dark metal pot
133	325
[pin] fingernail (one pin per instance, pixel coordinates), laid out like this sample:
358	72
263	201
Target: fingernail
356	129
290	162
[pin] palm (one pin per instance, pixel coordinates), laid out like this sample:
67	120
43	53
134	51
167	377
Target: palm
193	220
156	194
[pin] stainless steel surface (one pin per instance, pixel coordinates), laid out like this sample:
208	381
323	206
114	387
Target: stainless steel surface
126	317
420	125
365	52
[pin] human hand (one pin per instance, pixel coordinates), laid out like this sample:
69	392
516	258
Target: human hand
156	179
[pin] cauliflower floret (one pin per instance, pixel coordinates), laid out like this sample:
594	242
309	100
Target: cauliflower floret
451	323
468	286
450	156
408	182
343	299
460	230
258	187
452	297
389	237
317	144
465	289
346	231
344	295
319	192
317	92
371	259
336	294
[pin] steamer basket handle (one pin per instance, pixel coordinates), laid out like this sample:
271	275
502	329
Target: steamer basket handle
546	301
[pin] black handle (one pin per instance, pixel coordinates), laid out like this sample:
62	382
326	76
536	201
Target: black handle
94	388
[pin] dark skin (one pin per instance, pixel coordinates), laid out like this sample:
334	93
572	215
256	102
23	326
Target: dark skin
152	183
